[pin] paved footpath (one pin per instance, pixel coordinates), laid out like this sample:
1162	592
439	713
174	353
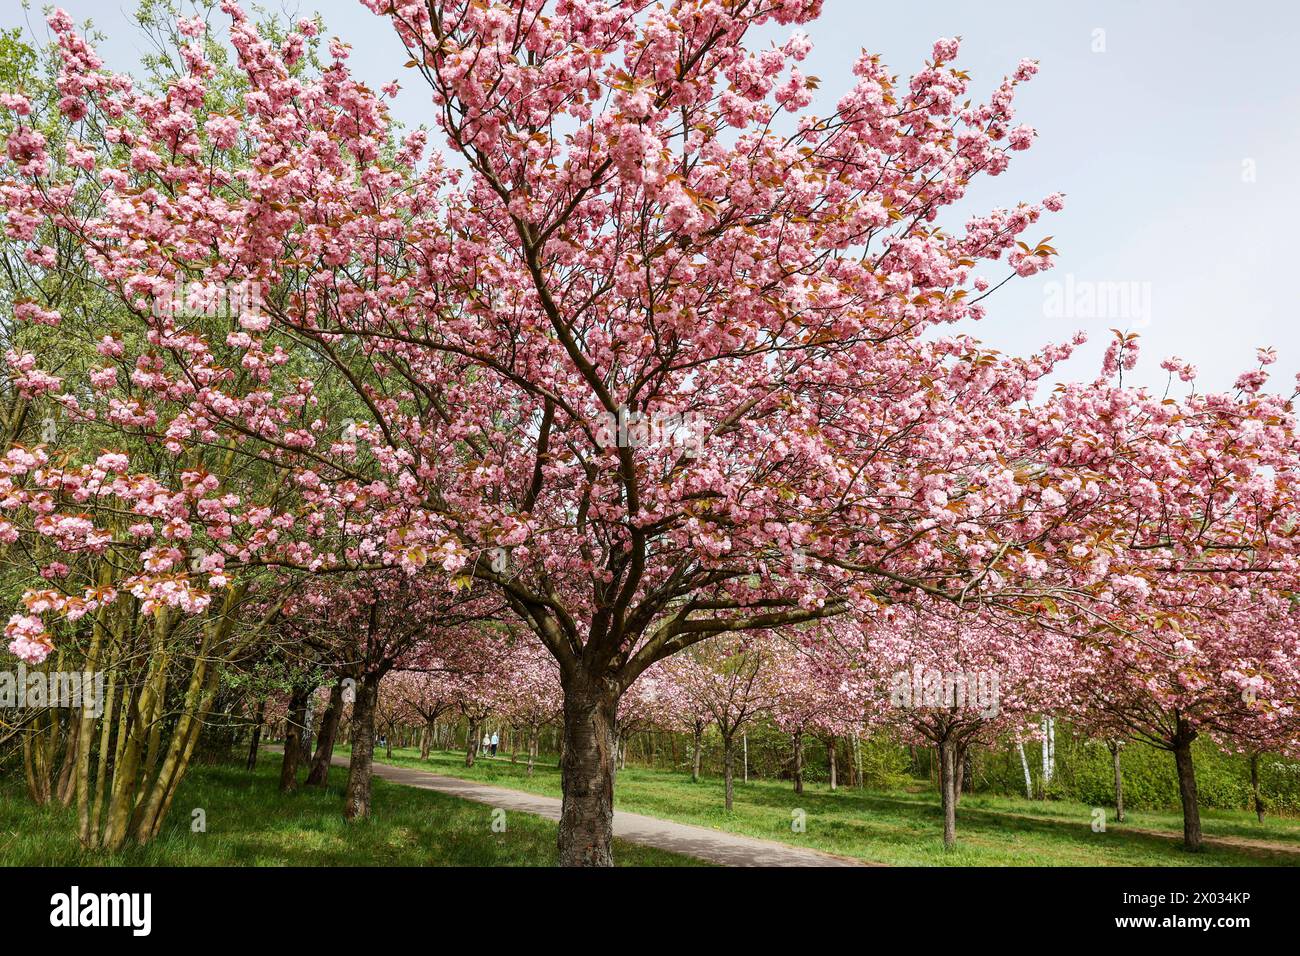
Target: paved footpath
714	846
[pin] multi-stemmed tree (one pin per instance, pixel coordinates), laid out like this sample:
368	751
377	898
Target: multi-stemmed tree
650	358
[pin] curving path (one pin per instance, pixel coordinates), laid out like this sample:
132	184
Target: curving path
713	846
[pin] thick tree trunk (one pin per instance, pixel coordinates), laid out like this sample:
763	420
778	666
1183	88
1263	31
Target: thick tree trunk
948	770
696	740
587	773
1115	747
356	798
319	774
1182	742
728	769
293	741
426	735
830	756
798	762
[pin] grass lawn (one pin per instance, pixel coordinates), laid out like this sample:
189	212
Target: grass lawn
904	827
249	823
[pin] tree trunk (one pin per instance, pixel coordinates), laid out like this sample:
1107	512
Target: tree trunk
798	763
308	724
255	740
1115	747
1182	742
948	770
356	798
426	735
587	773
966	782
1254	787
697	740
1024	763
471	744
65	790
319	774
532	749
830	756
293	741
1049	752
728	769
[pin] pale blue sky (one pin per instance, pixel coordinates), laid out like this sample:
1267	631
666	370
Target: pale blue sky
1177	147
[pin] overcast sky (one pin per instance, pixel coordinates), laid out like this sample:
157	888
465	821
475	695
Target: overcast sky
1172	128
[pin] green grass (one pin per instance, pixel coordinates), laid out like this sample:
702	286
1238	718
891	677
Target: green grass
904	827
249	823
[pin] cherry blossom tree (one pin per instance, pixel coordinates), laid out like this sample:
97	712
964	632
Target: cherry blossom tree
955	680
734	679
1228	667
651	354
380	621
529	695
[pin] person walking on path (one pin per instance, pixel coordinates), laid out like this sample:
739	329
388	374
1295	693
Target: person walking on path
487	743
495	740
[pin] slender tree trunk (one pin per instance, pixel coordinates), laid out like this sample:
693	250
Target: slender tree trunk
798	762
1254	787
293	741
532	749
255	741
356	798
319	774
587	773
697	740
471	744
966	782
1024	764
1049	752
728	768
1115	747
830	756
1182	742
948	771
66	788
426	735
308	725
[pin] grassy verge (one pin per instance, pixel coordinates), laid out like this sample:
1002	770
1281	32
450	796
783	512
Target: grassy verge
904	827
250	823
